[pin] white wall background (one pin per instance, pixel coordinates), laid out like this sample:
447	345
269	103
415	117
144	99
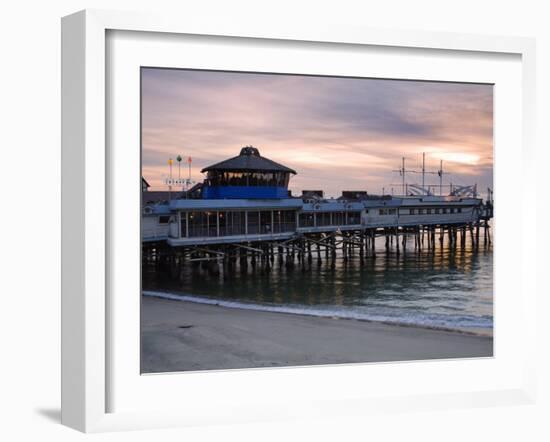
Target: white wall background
30	207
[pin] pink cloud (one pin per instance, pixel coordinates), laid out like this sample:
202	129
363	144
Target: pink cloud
338	133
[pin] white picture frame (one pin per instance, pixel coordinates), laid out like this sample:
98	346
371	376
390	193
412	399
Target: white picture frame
86	207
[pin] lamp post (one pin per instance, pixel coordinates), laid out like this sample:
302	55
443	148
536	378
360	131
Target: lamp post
178	159
170	162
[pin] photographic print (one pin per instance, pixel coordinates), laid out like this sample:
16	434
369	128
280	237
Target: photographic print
297	220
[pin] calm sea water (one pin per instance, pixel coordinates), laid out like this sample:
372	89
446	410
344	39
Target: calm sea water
446	288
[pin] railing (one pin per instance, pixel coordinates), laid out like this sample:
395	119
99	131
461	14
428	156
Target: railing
232	230
154	233
227	227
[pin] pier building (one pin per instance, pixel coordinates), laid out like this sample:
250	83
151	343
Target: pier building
244	203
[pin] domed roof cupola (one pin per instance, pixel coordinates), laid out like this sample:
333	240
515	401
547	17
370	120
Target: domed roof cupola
249	160
250	150
248	175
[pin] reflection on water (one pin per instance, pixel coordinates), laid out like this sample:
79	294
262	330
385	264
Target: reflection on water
444	288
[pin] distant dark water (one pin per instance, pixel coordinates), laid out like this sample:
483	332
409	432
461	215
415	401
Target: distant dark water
445	288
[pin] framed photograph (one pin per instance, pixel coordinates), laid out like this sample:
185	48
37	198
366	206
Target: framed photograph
281	223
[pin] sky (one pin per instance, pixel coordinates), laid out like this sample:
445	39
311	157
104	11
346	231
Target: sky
337	133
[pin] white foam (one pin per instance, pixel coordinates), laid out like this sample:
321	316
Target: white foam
474	325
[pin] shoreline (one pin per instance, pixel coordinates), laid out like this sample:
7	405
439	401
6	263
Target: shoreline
179	335
288	310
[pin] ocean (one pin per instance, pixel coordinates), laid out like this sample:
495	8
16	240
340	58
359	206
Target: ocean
446	288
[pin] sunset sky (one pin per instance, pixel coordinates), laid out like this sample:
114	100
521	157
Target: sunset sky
337	133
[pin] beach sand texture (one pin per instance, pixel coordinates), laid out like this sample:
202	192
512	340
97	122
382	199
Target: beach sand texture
186	336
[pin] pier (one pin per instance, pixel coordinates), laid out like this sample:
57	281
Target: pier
302	250
243	216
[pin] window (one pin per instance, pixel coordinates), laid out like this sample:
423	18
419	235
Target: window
354	218
164	219
452	210
253	222
429	211
444	210
305	220
337	218
387	211
212	226
421	211
231	223
437	211
226	178
222	222
288	221
411	211
238	223
201	223
265	221
459	210
323	219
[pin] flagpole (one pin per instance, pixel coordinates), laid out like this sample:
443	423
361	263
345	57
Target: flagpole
403	169
440	177
189	160
170	162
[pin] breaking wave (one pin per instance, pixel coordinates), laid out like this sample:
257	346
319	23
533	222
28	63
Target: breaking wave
469	324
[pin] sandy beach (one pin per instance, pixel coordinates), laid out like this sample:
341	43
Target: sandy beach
184	336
